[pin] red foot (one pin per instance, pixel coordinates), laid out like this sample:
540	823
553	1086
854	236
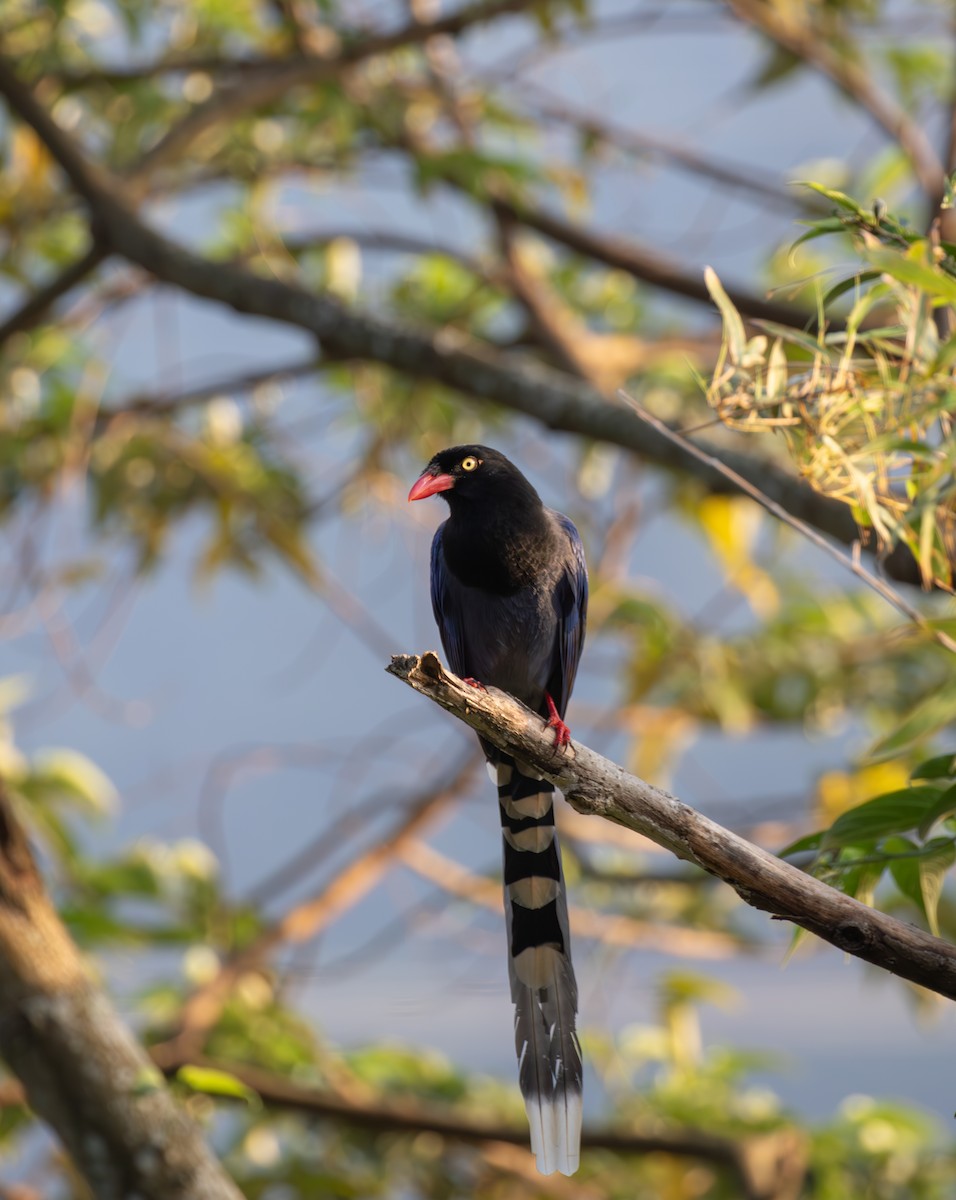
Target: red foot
562	735
475	683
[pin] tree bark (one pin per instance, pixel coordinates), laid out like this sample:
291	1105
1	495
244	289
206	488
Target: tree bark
81	1069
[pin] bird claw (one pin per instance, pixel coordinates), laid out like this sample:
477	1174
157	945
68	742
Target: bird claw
475	683
562	734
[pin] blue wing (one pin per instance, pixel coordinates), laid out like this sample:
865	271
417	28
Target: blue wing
447	608
571	609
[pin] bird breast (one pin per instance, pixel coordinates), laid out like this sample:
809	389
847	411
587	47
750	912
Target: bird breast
511	641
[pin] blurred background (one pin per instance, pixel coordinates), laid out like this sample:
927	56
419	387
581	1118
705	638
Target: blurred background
208	560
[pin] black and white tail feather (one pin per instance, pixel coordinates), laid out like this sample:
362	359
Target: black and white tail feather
543	986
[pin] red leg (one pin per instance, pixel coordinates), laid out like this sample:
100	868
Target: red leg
562	735
475	683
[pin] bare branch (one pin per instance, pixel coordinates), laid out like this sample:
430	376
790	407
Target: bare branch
164	404
596	786
81	1069
112	74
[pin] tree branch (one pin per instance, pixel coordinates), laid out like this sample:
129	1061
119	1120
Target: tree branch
265	82
757	1161
270	80
35	307
761	1162
756	184
649	266
613	929
594	785
880	586
81	1069
447	356
807	44
164	404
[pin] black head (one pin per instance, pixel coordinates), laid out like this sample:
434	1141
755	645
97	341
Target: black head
466	474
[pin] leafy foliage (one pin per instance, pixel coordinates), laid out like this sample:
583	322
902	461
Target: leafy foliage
864	406
907	835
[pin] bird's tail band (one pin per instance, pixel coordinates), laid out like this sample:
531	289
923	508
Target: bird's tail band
543	987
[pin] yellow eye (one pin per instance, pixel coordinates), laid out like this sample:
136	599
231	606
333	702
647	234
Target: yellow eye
469	463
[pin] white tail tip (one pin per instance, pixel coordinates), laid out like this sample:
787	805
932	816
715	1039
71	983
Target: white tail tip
556	1133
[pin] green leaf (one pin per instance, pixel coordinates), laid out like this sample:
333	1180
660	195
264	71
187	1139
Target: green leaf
794	336
847	285
894	812
910	270
930	715
213	1082
73	775
921	876
810	841
688	987
859	880
844	201
943	766
944	807
733	325
933	868
778	65
949	192
905	871
819	229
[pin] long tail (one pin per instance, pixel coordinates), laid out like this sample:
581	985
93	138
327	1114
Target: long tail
543	987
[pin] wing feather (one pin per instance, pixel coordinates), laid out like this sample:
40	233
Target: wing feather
447	607
571	609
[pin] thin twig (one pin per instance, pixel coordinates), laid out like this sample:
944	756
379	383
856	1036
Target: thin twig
165	403
613	929
880	586
759	186
35	307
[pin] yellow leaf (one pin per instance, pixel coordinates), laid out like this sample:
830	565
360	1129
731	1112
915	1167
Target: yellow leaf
343	265
731	525
838	791
660	734
30	163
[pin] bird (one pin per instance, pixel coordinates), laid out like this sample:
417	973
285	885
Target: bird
509	590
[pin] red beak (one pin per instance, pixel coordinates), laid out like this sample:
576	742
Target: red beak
430	485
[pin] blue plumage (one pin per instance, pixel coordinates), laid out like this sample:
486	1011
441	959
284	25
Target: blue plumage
509	590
